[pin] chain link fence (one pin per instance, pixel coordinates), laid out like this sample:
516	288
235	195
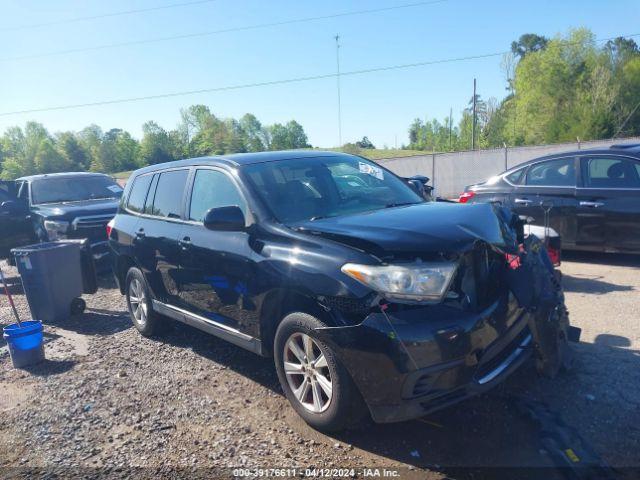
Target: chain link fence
451	172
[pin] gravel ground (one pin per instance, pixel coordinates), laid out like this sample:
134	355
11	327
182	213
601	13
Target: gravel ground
107	397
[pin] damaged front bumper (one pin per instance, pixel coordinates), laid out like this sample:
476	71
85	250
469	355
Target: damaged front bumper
409	362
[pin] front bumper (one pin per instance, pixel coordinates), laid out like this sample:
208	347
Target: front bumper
409	362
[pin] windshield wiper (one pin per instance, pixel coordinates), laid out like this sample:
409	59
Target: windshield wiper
49	202
401	204
320	217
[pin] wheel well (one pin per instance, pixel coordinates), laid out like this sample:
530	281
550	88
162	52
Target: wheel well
124	263
279	304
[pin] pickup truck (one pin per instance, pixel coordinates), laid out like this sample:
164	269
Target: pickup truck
43	208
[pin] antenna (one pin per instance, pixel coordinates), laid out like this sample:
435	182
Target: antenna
337	37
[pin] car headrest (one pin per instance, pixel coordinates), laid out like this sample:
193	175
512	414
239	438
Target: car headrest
616	170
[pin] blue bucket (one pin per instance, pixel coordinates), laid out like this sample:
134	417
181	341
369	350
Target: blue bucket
25	343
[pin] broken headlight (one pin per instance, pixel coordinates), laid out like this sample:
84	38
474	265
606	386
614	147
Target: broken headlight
426	282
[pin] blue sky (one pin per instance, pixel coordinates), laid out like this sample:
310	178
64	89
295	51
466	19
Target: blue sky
380	105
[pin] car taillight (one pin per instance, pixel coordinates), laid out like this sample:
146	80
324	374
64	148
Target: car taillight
466	196
554	255
110	227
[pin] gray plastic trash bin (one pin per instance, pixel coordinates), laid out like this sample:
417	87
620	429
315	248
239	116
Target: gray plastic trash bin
52	278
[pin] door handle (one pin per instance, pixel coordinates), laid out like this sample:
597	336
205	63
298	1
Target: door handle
140	233
591	204
185	243
523	201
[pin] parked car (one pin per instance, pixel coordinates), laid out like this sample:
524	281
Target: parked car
368	298
43	208
590	197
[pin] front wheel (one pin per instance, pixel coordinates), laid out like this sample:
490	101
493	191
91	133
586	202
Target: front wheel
314	381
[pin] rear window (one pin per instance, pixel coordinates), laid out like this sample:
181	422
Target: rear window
169	192
515	177
553	173
139	193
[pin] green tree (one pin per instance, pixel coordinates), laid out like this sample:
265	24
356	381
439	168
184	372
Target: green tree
287	137
48	159
126	150
90	139
528	43
74	154
155	146
21	148
365	143
255	135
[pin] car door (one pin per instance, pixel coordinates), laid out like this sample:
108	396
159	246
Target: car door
157	232
216	266
548	193
15	221
609	203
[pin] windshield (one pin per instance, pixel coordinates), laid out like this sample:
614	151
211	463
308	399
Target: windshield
313	188
74	189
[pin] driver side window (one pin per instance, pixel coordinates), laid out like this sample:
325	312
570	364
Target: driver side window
213	189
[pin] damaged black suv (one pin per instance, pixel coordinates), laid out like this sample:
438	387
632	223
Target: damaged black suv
368	298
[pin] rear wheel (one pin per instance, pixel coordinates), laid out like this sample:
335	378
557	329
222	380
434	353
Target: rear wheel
144	318
314	381
78	306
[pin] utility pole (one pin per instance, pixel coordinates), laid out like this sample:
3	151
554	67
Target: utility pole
473	128
337	37
450	126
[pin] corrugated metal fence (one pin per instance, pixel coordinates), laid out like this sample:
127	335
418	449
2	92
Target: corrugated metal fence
451	172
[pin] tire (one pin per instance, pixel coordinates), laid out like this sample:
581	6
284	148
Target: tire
78	306
344	406
146	321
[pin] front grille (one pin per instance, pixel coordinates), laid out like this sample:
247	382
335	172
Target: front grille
91	222
92	227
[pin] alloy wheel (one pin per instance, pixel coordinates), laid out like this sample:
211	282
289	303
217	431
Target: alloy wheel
138	302
307	372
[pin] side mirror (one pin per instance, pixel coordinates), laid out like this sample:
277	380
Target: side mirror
416	186
11	207
225	219
420	178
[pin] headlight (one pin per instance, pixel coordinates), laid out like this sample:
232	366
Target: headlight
418	282
56	229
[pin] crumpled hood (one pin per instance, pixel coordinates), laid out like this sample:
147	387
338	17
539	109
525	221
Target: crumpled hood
430	227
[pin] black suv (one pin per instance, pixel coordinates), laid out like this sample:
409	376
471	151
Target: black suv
368	297
43	208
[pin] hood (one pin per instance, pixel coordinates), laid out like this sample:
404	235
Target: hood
69	211
431	228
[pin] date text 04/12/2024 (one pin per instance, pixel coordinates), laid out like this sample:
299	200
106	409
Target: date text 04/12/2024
316	472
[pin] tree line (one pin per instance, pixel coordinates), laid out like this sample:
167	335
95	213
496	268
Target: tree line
33	149
558	90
